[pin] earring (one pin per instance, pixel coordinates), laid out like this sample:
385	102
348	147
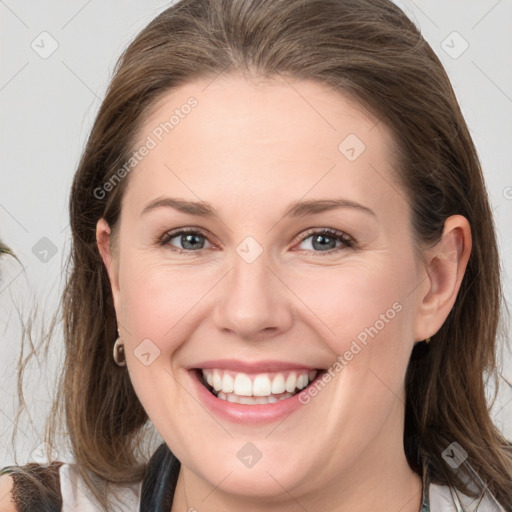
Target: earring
427	340
119	356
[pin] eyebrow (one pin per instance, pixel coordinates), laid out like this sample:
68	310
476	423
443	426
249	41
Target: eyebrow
297	209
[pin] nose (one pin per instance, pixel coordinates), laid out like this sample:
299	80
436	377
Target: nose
254	303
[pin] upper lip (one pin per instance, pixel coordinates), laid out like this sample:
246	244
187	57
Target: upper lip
251	366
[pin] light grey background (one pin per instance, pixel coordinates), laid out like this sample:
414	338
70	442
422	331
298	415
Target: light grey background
48	105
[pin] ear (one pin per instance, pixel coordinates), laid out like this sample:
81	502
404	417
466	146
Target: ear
103	239
445	266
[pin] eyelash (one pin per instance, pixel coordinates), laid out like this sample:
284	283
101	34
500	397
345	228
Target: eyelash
347	241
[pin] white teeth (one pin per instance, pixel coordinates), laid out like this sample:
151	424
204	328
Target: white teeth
217	381
252	400
227	383
261	386
278	384
243	385
302	381
266	387
291	382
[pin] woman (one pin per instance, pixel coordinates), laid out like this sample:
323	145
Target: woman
284	258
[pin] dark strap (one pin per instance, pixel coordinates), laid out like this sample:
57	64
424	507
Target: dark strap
159	481
35	487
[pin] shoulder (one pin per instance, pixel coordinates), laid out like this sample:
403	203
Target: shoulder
59	486
77	496
443	497
30	487
6	499
55	487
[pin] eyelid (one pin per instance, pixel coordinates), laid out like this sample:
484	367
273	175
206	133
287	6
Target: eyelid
328	231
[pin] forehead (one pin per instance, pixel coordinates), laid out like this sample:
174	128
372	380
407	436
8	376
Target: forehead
231	139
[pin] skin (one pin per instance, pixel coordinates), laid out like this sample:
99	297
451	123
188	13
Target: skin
251	148
6	501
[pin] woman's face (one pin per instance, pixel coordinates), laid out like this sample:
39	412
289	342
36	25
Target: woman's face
259	301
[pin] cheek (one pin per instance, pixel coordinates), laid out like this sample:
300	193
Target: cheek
157	301
157	307
350	298
364	313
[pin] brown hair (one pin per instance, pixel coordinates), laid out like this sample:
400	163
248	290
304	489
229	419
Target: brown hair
370	51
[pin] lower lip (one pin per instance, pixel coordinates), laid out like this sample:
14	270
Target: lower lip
243	413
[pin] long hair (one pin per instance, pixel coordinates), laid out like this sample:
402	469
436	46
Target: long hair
371	52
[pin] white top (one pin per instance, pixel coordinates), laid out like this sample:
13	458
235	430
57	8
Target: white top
443	499
77	498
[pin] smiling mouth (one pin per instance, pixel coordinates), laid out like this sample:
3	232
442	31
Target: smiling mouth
256	389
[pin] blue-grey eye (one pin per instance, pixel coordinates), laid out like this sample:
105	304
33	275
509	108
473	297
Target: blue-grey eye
189	240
